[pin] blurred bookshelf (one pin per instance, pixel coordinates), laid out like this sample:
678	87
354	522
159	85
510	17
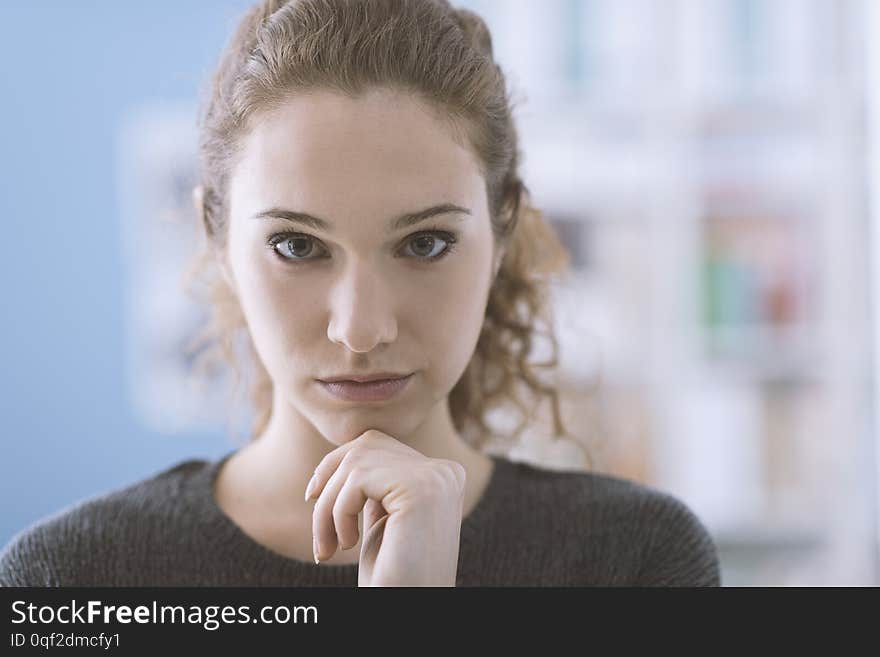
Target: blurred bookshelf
704	162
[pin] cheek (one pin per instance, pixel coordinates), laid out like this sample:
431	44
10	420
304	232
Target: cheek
449	317
280	312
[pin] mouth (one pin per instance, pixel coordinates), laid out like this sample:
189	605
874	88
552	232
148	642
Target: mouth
366	378
373	389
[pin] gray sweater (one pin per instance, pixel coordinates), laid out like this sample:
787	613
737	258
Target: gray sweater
531	527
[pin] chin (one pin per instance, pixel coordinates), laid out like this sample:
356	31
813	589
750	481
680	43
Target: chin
342	427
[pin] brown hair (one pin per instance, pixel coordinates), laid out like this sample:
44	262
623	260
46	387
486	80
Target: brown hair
441	55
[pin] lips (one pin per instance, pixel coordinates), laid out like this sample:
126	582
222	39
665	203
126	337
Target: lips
381	389
365	378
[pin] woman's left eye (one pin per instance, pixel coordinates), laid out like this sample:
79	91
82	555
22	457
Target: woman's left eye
431	246
424	247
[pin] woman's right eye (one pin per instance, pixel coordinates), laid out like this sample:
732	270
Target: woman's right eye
292	246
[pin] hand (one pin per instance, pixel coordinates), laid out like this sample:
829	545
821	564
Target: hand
412	511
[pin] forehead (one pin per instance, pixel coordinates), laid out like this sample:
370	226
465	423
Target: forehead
326	150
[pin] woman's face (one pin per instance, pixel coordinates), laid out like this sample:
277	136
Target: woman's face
355	291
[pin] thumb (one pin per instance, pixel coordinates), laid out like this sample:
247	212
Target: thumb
373	511
374	529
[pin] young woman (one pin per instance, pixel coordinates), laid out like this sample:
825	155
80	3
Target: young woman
372	239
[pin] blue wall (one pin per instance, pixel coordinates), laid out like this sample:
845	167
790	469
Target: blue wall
69	73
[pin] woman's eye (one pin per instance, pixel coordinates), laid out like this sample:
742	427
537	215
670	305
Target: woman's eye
294	247
430	246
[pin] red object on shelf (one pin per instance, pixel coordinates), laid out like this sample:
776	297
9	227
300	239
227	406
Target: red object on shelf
780	303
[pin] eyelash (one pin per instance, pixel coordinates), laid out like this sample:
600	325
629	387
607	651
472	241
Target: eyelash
450	238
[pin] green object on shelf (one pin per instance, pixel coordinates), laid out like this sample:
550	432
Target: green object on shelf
712	284
729	293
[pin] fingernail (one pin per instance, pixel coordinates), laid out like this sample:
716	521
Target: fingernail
315	549
310	487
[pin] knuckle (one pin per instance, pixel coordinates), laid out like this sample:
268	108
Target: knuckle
373	435
338	516
439	477
367	438
455	472
320	509
351	455
458	470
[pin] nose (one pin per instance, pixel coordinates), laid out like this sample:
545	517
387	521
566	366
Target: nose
362	312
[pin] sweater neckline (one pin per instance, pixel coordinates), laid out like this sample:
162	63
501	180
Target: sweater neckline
232	533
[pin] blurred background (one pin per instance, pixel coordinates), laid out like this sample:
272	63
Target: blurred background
713	167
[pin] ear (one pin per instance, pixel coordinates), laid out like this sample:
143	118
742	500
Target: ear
198	196
499	257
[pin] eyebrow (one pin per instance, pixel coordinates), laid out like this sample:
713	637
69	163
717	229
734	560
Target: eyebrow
403	221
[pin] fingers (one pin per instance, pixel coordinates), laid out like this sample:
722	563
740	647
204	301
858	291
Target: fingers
323	526
348	505
357	448
328	466
335	516
342	483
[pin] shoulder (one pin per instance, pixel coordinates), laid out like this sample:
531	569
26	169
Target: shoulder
585	491
70	546
658	535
